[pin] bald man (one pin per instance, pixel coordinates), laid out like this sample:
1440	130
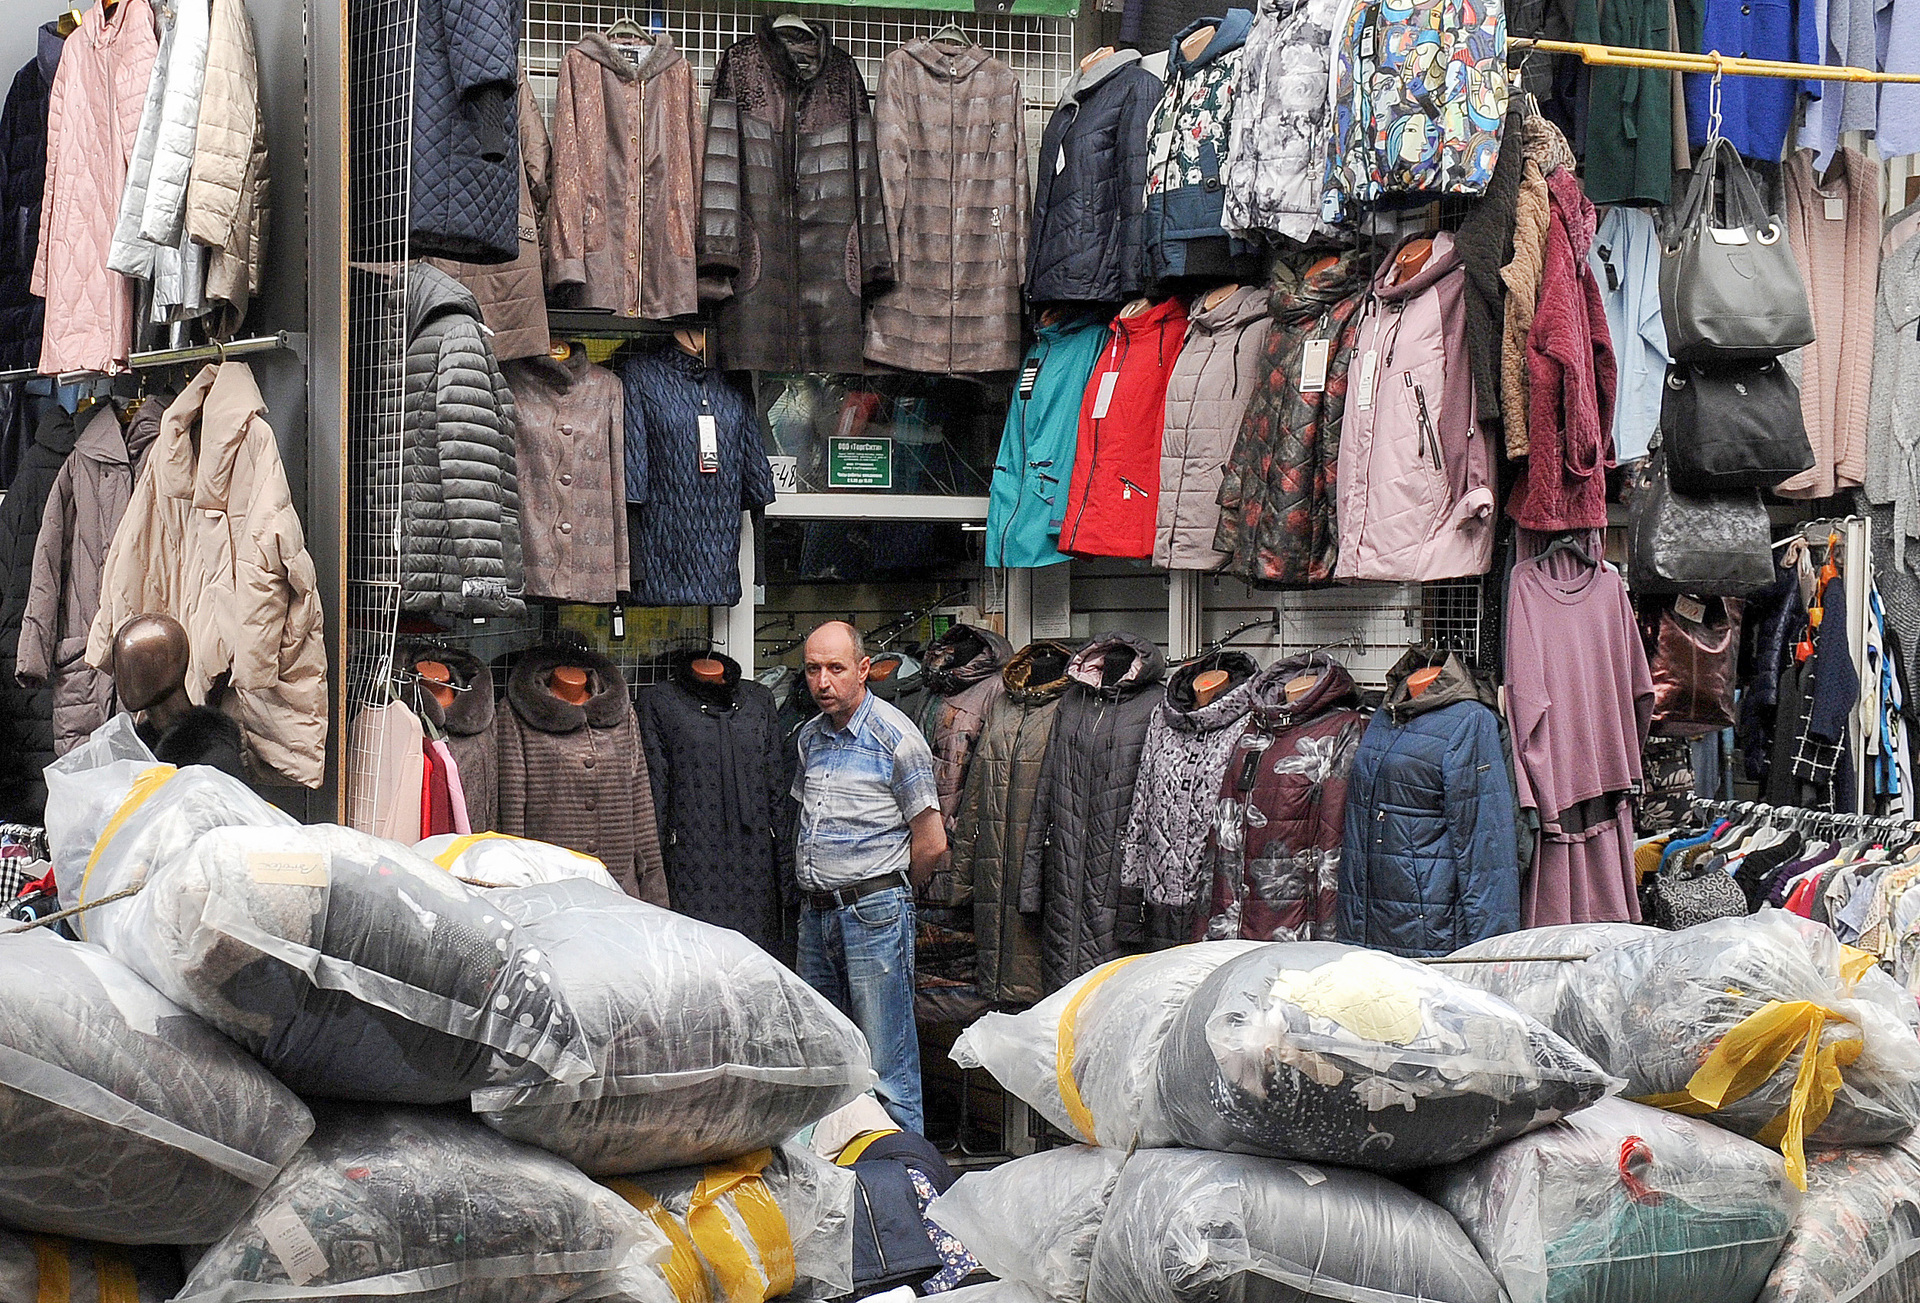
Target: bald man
870	832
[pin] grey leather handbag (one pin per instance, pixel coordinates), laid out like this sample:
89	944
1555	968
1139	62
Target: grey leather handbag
1730	289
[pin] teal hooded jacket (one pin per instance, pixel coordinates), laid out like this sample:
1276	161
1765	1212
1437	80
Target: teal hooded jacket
1030	476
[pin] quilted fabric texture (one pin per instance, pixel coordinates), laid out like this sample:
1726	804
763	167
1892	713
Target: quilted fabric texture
466	126
460	491
26	714
1089	201
23	180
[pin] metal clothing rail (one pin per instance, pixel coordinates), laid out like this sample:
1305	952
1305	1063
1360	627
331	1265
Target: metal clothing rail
1620	56
1801	817
171	357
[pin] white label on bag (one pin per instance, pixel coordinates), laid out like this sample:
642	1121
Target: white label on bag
1103	397
1690	608
1369	373
293	1244
1728	235
289	868
709	444
1307	1174
1836	208
1313	366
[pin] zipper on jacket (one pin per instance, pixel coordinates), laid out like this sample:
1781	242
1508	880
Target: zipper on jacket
1123	344
1130	488
1025	463
1427	435
873	1229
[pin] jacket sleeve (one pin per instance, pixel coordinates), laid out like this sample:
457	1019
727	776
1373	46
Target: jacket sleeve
536	151
892	112
511	778
567	210
966	836
1022	199
1480	820
126	584
482	39
634	423
218	197
262	586
1333	829
756	474
1135	119
39	623
511	558
617	449
127	253
876	244
648	868
650	729
50	200
1133	846
1033	860
164	212
723	235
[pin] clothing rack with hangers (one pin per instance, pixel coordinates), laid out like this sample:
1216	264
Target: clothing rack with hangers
285	339
1709	811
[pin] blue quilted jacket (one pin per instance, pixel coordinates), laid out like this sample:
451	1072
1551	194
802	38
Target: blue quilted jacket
683	524
1428	863
466	131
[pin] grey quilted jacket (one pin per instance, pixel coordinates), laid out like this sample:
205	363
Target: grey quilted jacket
460	492
1071	873
989	846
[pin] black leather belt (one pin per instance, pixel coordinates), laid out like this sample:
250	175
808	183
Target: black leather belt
841	897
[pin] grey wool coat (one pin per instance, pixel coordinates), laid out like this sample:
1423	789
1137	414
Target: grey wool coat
459	491
951	130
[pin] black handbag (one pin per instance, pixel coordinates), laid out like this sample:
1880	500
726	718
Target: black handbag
1715	546
1732	427
1680	898
1730	289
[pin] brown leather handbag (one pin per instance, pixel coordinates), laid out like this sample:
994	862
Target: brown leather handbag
1694	662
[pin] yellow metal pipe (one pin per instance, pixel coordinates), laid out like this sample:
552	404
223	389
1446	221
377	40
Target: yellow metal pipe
1729	65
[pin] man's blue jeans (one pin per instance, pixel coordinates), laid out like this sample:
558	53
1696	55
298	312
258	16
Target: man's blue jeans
860	956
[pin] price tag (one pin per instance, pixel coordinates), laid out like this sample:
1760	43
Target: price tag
786	474
709	444
1060	159
1029	376
1690	608
1369	374
299	1253
1103	398
1836	208
289	868
1313	366
619	623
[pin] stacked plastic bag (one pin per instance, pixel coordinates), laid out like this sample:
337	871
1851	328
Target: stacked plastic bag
494	859
1035	1221
1857	1238
48	1270
1621	1201
1526	981
122	1117
707	1047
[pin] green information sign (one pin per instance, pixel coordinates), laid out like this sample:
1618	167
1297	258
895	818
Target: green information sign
859	463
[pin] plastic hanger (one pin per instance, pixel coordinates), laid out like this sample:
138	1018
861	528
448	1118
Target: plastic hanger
626	29
952	33
792	23
1568	543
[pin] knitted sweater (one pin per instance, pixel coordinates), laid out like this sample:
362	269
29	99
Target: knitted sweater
1835	233
1893	426
1546	152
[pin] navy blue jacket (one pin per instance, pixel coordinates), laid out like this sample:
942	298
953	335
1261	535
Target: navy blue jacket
23	182
683	524
466	131
1428	863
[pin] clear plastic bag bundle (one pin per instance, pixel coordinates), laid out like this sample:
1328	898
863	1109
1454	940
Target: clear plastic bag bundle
115	815
1719	1020
1857	1238
1189	1227
428	1206
1335	1054
1084	1056
1534	986
1621	1201
122	1117
1035	1220
776	1224
351	966
44	1269
707	1046
498	860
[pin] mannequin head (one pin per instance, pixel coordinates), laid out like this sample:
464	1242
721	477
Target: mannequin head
150	655
569	683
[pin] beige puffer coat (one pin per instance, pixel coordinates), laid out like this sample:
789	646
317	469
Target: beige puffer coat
1207	393
227	198
212	539
990	844
93	116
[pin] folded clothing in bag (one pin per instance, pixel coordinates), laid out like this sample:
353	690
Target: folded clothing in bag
123	1117
43	1269
1035	1220
1857	1238
706	1046
1534	986
1085	1056
495	859
398	1203
1718	1021
775	1224
1335	1054
1622	1201
351	966
1187	1227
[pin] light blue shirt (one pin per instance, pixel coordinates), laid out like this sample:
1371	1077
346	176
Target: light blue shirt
859	787
1625	260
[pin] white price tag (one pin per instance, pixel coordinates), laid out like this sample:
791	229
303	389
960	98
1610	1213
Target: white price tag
293	1244
1060	160
709	444
1103	397
786	474
289	868
1836	208
1369	373
1690	608
1313	366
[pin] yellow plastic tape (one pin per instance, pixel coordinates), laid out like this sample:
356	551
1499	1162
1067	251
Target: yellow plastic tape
56	1273
686	1274
1757	1047
118	1284
850	1153
149	782
467	841
1855	964
1077	1111
708	1240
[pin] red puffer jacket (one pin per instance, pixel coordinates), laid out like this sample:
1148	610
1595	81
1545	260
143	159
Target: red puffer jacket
1114	499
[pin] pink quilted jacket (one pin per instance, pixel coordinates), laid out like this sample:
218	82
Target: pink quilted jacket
92	118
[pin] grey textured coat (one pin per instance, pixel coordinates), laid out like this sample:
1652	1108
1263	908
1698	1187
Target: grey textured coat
76	529
1071	871
470	726
961	671
577	776
1207	393
570	456
1181	766
950	122
789	115
989	847
459	491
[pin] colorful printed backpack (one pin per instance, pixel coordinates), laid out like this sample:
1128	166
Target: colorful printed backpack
1419	95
